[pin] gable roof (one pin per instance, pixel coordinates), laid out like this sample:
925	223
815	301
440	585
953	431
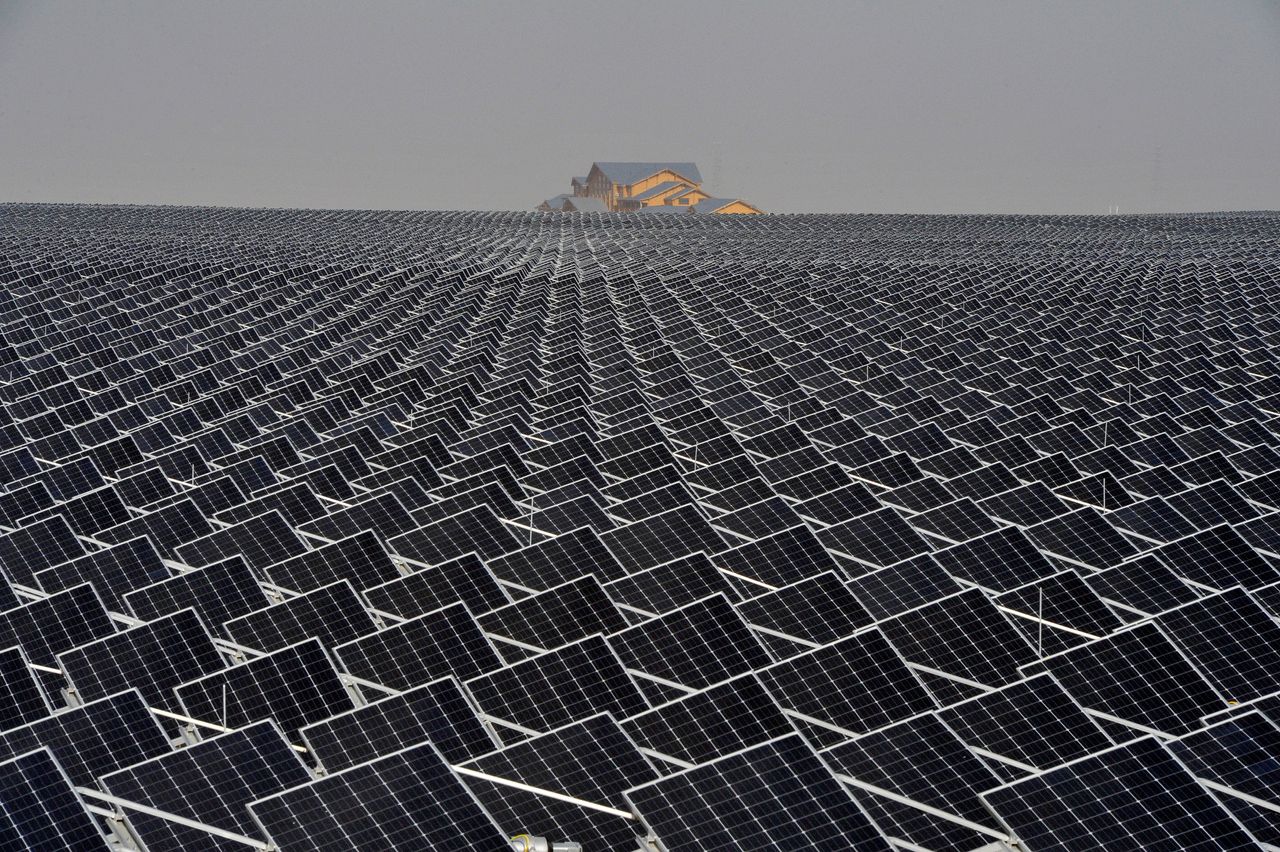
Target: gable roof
661	188
711	205
555	201
580	181
682	193
583	204
630	173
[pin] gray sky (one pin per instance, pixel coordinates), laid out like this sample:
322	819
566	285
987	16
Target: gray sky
893	105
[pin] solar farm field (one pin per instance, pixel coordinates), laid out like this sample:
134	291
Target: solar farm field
334	530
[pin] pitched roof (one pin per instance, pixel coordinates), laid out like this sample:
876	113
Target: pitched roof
581	181
583	204
555	201
711	205
629	173
666	186
682	193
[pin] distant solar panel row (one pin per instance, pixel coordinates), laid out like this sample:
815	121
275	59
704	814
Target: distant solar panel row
359	530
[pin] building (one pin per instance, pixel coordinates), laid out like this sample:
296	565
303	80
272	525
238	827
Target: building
636	187
574	204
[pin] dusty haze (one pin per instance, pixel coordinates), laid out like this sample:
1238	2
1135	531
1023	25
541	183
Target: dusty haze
976	106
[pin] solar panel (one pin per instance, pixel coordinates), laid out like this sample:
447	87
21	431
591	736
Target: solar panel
113	572
1034	722
210	782
954	522
923	760
1133	796
446	642
217	592
1263	533
297	503
553	561
439	712
413	798
1240	754
661	538
36	546
333	614
25	500
382	513
964	637
671	585
295	686
21	697
556	617
1083	536
360	559
776	560
262	540
45	628
850	500
999	560
776	795
759	519
570	515
712	722
167	527
897	588
819	610
738	496
875	539
1219	559
1137	675
94	738
820	480
465	579
559	687
1144	585
855	685
1212	504
39	809
593	760
153	657
476	530
1232	640
1043	609
1152	519
713	641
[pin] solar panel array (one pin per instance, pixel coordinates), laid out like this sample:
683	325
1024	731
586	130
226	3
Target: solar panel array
335	530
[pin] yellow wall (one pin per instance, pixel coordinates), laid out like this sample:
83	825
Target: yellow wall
600	187
693	198
651	182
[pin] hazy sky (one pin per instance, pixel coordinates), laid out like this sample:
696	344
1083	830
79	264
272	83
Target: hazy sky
892	105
